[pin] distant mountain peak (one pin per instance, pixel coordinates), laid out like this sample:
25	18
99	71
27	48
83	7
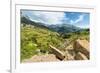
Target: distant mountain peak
60	28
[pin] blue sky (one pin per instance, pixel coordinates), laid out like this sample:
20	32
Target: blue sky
79	19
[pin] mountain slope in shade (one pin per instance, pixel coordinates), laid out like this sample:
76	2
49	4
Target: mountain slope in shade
64	28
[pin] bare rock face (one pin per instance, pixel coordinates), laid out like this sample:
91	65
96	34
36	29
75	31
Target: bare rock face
80	56
57	52
82	46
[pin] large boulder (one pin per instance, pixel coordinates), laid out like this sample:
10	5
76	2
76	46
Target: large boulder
57	52
82	46
80	56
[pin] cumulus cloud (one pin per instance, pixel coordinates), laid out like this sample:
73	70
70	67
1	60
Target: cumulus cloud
48	17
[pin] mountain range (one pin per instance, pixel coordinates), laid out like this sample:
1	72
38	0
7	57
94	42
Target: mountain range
60	28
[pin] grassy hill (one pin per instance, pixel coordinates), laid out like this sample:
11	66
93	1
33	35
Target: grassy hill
35	40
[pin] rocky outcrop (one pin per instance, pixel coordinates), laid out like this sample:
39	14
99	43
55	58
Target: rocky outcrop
81	48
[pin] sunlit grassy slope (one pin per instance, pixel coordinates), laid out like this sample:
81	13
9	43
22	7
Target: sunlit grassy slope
36	40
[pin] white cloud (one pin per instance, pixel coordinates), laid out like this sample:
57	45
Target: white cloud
71	21
80	18
84	26
48	17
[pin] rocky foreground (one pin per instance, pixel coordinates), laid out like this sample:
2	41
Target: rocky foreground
79	50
